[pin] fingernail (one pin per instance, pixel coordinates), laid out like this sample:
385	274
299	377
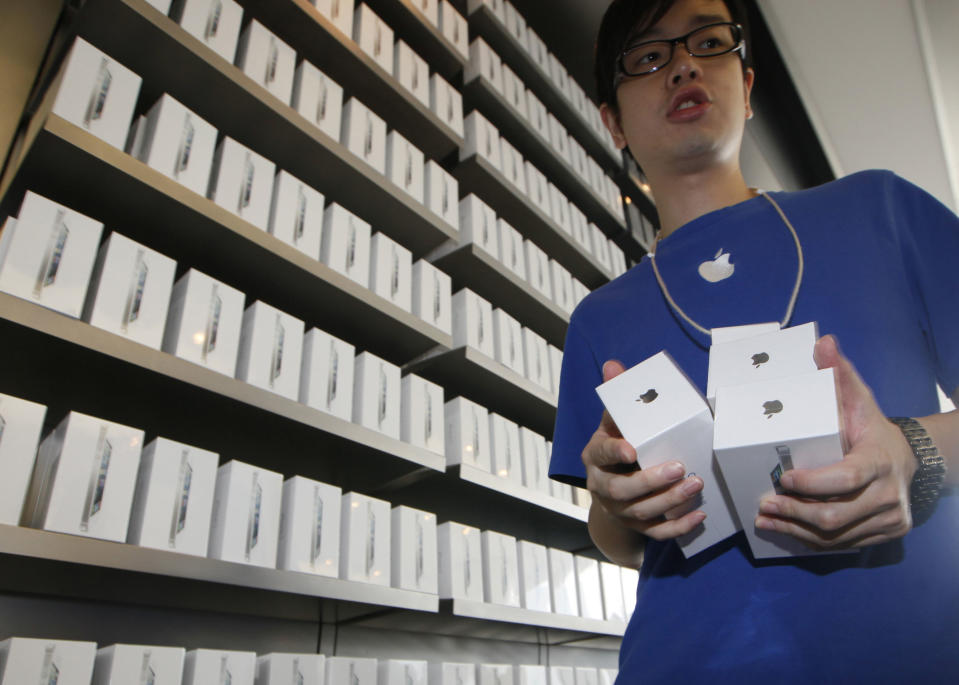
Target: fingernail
699	517
764	523
674	470
625	453
769	507
786	480
691	486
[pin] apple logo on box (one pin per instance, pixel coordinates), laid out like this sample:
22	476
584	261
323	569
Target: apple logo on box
718	268
648	396
760	359
772	407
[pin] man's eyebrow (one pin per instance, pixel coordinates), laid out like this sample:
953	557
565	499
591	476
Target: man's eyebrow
655	33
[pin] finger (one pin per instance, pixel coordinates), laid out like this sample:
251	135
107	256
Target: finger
673	528
606	451
672	502
833	515
880	528
624	490
611	369
857	405
852	474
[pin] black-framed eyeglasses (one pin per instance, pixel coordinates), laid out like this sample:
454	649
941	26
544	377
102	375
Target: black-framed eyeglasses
646	57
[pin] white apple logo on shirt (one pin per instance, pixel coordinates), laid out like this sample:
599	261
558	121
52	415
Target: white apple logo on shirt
718	268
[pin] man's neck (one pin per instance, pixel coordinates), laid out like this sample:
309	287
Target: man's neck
680	198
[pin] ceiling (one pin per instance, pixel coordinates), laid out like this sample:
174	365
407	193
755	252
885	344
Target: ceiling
877	78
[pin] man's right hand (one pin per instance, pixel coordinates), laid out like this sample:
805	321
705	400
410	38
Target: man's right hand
637	500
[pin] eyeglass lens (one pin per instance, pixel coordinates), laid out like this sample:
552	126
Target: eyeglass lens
708	41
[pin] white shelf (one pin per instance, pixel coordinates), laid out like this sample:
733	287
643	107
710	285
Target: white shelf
495	612
488	480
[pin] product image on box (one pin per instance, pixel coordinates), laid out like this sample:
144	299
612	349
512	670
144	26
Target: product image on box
441	193
473	322
364	134
346	244
446	103
432	296
290	669
562	582
214	667
242	182
271	344
412	71
20	424
508	341
318	98
267	60
310	527
365	546
482	139
533	576
376	394
478	225
495	674
414	555
467	434
589	590
506	449
450	673
453	26
215	22
296	214
374	37
500	569
246	515
460	555
402	672
326	374
47	662
665	417
405	165
139	664
391	267
421	413
511	249
351	670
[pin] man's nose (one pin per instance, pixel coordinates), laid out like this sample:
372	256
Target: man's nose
682	66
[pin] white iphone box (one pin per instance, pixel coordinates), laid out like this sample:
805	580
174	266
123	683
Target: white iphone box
508	341
310	527
516	25
589	590
405	165
364	134
446	103
452	673
208	666
535	460
374	36
467	434
507	459
460	562
495	674
178	143
412	72
441	193
560	210
511	249
266	59
559	139
432	296
555	366
21	422
376	394
730	333
537	50
246	515
47	254
130	291
561	675
607	676
537	186
537	269
318	98
403	672
500	569
533	576
290	669
346	244
391	267
482	139
579	159
365	539
537	116
122	664
453	26
173	501
586	675
484	63
352	670
421	414
414	557
242	182
536	355
478	225
97	93
204	321
271	347
618	258
562	582
559	76
630	577
665	418
54	662
473	322
580	292
430	10
326	374
781	353
561	491
84	478
513	165
494	6
296	214
579	227
340	12
766	428
601	248
529	674
215	22
611	580
514	91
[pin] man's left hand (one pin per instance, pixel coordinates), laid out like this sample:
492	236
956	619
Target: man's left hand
861	500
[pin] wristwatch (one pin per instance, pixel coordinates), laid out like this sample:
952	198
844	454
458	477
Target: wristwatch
930	469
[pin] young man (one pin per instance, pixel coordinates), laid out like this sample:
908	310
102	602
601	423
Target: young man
879	259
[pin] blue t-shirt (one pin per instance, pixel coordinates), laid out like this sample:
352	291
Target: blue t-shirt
881	260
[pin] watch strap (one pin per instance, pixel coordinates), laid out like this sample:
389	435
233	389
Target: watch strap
930	469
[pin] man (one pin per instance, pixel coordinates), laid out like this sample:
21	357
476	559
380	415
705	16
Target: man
878	275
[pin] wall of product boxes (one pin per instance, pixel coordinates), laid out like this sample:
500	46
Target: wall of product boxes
385	257
50	661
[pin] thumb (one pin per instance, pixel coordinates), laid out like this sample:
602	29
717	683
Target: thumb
611	369
857	406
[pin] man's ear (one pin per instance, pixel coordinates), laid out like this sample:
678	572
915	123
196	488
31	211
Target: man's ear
611	121
748	78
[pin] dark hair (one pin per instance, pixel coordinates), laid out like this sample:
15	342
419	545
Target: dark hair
623	19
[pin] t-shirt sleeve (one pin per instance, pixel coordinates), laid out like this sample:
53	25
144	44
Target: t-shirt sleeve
579	409
928	232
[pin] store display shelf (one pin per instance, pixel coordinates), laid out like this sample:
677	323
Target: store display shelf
117	379
410	24
316	39
487	480
476	175
19	542
472	267
480	94
73	167
172	61
483	22
505	614
470	373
